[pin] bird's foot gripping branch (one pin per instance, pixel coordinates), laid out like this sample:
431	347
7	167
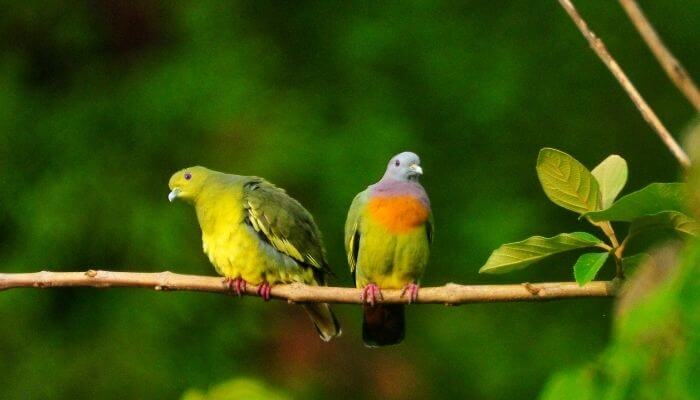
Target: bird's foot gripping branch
656	209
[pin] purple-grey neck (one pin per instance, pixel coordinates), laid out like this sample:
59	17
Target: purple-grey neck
390	187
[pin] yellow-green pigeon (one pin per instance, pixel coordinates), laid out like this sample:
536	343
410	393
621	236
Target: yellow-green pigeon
253	232
387	239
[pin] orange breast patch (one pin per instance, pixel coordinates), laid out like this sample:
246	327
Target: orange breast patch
398	213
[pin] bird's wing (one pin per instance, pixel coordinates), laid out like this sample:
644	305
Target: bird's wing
285	224
430	228
352	231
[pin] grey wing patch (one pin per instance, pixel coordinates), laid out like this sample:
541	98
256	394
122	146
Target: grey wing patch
354	254
352	230
429	230
353	246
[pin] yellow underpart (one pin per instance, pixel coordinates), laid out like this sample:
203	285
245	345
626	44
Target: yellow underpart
235	249
390	260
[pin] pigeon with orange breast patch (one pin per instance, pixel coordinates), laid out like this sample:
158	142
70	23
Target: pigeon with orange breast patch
387	239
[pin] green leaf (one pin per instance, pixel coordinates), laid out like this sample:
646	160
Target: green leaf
588	265
611	175
665	221
653	199
518	255
566	182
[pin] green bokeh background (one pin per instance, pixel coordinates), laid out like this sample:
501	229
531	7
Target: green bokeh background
101	101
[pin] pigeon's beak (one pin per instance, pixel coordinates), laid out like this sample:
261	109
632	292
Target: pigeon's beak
173	194
416	168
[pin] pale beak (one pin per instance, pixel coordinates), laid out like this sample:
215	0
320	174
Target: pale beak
416	168
173	195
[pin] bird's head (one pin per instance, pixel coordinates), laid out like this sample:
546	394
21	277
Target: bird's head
404	167
187	183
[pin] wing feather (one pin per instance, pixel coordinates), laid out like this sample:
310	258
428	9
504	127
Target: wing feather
430	228
284	223
352	229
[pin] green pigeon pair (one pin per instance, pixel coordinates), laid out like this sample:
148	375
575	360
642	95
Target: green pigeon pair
254	233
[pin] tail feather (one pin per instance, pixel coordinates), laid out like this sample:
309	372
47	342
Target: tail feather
383	324
325	321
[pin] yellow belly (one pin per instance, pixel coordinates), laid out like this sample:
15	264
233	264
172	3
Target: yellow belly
389	260
241	254
236	250
235	256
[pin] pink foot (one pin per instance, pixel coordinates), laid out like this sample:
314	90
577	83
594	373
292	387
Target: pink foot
370	294
237	285
412	290
264	290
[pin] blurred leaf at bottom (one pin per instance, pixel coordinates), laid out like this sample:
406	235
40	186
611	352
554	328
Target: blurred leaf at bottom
236	389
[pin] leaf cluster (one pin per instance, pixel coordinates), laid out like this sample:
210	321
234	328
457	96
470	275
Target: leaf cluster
658	209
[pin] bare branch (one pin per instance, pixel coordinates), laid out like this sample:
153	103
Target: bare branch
647	113
679	76
450	294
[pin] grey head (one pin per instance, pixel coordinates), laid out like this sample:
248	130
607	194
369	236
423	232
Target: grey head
404	167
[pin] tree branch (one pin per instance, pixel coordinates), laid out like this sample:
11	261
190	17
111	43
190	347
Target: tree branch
679	76
450	294
647	113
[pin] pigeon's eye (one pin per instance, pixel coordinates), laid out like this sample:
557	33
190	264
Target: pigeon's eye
188	176
397	163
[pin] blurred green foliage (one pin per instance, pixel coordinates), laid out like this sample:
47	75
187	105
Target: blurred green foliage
101	101
235	389
656	340
654	211
655	344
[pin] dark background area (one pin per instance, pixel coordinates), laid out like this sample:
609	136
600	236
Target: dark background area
100	102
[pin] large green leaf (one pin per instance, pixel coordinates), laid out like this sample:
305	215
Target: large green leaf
653	199
611	175
513	256
588	265
566	182
665	221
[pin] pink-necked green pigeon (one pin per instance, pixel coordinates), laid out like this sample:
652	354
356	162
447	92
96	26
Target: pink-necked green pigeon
387	239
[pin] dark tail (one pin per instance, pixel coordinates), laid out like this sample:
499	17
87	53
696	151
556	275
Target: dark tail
325	321
383	324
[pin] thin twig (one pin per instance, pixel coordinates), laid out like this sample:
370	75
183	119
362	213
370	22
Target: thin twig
647	113
607	228
449	294
675	71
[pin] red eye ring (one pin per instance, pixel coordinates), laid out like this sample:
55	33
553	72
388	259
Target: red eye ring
188	176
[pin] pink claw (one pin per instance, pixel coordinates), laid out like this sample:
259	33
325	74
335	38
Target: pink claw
264	290
412	290
237	285
241	286
370	294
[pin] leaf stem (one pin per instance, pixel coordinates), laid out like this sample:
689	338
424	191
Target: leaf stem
621	247
619	271
607	228
616	248
605	246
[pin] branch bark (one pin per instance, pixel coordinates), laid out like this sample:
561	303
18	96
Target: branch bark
449	294
647	113
675	71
